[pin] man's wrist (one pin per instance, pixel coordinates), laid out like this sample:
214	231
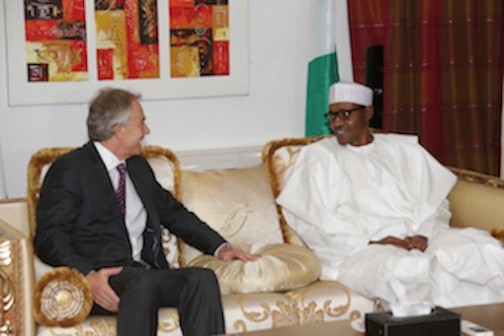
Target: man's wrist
220	247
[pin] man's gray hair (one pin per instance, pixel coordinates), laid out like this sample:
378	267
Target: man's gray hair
110	107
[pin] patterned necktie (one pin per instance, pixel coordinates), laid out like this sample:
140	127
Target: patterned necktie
121	187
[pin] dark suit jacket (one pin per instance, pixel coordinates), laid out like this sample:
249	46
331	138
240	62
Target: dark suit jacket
79	223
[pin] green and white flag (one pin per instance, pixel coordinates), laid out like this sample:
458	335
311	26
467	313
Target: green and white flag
323	66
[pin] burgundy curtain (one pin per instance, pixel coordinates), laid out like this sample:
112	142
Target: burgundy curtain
442	73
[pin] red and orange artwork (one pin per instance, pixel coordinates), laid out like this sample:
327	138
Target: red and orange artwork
127	39
55	33
199	38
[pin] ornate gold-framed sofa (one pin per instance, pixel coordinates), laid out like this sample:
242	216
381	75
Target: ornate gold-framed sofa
281	290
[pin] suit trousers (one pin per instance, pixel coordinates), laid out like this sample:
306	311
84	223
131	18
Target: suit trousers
193	291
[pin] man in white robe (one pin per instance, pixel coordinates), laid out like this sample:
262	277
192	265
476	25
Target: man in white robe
374	209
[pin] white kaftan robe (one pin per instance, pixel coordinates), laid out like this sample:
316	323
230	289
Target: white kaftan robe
339	198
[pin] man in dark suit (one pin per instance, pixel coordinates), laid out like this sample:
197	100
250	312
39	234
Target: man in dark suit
106	223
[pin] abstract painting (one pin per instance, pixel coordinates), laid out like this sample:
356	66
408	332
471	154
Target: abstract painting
63	51
55	33
199	38
127	39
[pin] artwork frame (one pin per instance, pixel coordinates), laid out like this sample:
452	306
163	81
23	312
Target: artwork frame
23	92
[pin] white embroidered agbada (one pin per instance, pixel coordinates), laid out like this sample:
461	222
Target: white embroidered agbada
339	198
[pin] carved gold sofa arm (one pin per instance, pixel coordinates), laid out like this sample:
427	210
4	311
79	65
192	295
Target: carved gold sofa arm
16	274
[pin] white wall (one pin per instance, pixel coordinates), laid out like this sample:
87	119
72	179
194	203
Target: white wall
274	108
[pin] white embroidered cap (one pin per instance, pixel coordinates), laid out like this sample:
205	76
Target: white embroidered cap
349	92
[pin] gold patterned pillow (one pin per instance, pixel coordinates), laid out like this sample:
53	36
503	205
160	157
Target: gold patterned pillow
238	203
281	267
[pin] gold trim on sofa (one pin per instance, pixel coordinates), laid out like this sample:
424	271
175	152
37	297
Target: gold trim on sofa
472	176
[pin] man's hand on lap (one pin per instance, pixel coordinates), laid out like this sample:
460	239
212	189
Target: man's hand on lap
103	294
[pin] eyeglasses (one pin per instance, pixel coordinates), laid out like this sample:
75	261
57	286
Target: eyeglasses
342	114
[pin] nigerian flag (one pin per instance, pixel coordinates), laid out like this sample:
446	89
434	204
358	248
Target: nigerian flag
323	66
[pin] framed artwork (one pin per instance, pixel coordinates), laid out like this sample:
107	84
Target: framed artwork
63	51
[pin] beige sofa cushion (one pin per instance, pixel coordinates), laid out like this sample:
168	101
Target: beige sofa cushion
238	203
281	267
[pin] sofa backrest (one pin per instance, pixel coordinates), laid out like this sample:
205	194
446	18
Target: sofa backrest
163	161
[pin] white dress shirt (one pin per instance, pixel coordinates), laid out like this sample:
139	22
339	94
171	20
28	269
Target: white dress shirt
136	216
